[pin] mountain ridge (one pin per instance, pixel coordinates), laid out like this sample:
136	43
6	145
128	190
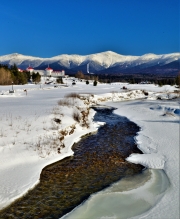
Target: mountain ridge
98	62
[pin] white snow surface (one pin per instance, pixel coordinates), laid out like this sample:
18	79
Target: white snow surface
29	134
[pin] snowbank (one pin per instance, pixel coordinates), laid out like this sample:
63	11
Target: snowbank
159	140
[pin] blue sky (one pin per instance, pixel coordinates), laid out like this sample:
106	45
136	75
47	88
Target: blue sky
47	28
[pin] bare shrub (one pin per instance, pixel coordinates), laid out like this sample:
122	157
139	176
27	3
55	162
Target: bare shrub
145	93
59	150
14	142
73	127
61	138
57	120
76	116
64	102
85	115
2	133
63	145
63	132
167	113
38	144
72	95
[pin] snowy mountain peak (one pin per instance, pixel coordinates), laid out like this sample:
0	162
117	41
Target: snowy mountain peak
149	56
15	54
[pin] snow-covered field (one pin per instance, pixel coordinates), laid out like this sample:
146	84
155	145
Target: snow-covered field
35	131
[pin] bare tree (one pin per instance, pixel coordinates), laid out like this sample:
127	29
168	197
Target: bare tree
5	76
79	75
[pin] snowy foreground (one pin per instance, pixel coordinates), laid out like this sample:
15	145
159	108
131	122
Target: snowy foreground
35	131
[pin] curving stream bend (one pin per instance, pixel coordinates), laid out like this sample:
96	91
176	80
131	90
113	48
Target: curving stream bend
98	161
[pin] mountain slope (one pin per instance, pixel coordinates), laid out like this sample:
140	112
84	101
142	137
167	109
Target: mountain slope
106	62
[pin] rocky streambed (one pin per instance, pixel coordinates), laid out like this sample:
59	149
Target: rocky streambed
98	161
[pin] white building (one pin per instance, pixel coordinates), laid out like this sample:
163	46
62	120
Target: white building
58	73
47	72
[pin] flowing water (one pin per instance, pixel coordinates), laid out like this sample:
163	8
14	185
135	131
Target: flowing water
98	161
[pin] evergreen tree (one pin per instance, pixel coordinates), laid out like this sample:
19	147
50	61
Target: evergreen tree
19	77
132	81
172	82
36	77
95	83
22	78
59	80
178	80
160	83
28	75
14	68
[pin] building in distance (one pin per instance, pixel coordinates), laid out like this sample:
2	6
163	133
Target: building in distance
47	72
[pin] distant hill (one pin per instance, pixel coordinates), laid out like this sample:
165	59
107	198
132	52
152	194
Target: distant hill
108	62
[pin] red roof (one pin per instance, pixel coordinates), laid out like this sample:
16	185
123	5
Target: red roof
29	68
49	68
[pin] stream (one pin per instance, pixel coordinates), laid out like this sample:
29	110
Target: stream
98	161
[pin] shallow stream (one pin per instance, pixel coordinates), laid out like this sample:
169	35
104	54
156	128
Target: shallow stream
98	161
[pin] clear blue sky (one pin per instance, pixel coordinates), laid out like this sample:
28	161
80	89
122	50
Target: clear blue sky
47	28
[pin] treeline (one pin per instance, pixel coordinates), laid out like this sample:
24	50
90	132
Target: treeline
129	79
162	82
136	79
80	75
9	75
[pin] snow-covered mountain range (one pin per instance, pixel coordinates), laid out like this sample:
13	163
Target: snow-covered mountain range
106	62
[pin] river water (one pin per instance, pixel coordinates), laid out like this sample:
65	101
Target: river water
98	161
